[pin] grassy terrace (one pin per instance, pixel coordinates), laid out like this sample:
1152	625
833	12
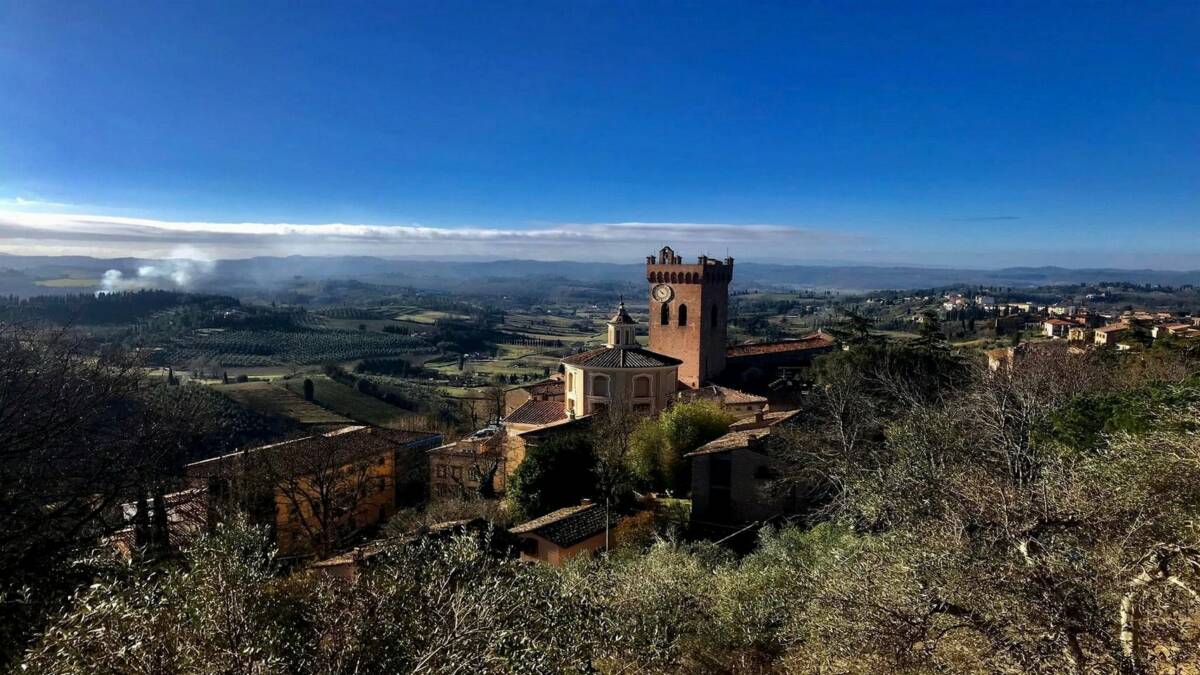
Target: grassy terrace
511	360
272	399
351	403
423	316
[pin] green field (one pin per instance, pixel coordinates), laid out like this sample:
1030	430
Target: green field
548	326
511	360
375	325
353	404
424	316
273	399
258	348
68	282
269	373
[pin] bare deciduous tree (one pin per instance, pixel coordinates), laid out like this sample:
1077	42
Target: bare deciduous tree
326	483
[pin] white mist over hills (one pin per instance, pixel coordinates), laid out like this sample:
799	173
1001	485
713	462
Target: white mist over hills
45	233
21	274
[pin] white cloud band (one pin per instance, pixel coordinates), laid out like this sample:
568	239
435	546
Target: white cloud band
141	236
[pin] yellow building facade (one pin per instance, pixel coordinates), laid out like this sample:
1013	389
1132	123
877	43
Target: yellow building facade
619	373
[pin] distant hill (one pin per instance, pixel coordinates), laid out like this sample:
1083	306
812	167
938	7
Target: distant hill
502	276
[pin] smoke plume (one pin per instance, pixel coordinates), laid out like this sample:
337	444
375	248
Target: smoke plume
174	273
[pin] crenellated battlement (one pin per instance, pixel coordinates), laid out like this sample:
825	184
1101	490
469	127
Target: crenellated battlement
668	268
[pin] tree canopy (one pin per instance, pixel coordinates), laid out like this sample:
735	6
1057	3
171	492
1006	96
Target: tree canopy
555	473
659	443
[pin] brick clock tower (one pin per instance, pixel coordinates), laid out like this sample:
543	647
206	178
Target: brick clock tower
688	312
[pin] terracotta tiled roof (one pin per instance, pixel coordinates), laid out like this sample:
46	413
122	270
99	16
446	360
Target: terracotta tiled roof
537	412
768	420
733	440
745	434
724	394
1115	328
815	341
613	357
562	425
350	443
566	527
545	387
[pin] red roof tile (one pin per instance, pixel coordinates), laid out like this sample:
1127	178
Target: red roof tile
815	341
722	394
537	412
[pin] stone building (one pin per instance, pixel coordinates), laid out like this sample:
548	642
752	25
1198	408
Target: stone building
735	478
563	534
549	389
459	469
619	373
318	492
760	367
1108	336
1080	334
518	442
733	401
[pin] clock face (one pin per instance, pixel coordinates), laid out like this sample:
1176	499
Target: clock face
663	293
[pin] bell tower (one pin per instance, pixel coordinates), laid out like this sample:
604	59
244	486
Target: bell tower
689	308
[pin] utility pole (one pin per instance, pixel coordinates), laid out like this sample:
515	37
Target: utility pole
606	521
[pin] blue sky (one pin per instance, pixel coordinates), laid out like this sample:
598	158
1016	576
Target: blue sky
969	134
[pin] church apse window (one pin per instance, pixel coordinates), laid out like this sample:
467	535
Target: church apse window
600	385
665	315
641	386
683	315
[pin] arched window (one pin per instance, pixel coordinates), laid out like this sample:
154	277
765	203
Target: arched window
665	315
641	386
683	315
713	319
570	381
600	385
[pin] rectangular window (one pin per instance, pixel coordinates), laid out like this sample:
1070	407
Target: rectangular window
441	471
